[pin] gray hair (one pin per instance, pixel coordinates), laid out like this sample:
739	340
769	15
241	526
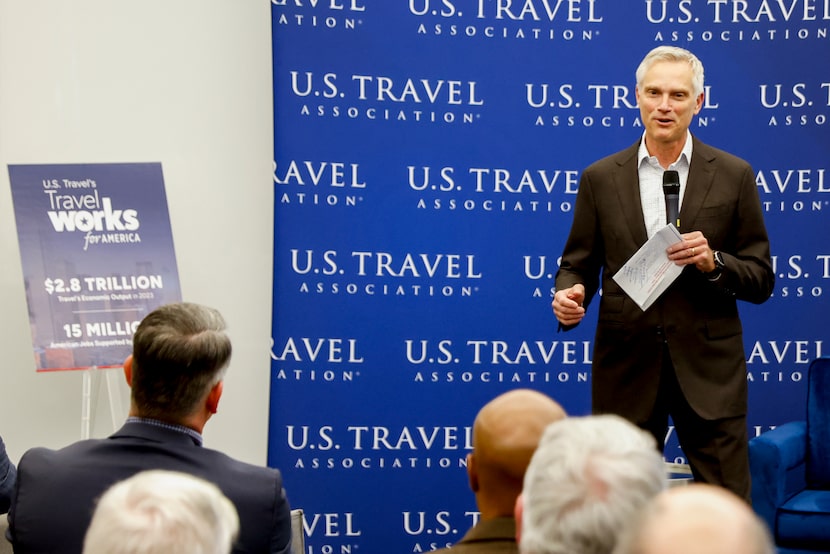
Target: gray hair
157	512
180	351
672	54
587	479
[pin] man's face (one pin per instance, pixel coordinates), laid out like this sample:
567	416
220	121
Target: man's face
666	102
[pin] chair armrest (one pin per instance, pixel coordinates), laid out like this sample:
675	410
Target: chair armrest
777	466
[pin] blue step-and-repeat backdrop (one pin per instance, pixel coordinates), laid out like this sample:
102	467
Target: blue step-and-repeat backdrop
427	157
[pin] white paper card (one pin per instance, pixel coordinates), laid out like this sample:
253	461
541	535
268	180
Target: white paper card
649	271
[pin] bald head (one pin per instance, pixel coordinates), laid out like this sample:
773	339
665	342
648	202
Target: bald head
698	519
506	432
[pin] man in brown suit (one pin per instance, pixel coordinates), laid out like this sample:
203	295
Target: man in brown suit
505	434
683	356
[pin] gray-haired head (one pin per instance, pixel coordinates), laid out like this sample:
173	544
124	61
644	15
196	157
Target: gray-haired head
672	54
157	512
587	479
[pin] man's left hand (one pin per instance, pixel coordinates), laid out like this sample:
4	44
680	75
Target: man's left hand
693	250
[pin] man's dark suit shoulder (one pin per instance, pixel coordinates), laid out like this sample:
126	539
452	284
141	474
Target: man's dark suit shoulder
700	149
57	489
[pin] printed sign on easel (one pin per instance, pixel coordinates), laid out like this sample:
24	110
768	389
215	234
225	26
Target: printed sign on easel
97	253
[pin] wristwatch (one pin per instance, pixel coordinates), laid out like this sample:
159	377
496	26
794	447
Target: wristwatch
719	265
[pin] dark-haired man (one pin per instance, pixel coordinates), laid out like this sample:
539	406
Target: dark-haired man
180	355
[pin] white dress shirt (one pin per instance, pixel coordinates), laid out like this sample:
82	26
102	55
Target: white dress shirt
651	183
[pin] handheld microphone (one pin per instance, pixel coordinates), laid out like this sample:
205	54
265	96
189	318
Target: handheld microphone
671	192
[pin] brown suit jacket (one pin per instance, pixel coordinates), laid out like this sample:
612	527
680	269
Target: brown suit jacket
492	536
697	318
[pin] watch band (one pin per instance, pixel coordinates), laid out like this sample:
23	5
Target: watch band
715	274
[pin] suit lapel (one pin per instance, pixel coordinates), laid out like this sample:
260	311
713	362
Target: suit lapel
627	185
700	181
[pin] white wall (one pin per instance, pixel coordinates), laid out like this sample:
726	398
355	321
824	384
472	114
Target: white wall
183	82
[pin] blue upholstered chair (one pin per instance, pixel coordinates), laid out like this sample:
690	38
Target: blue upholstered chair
790	468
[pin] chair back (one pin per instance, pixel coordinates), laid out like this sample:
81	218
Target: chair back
818	424
297	532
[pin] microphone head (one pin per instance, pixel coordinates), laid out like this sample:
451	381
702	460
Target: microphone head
671	180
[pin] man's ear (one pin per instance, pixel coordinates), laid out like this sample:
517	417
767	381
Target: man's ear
212	402
518	511
128	370
699	102
472	472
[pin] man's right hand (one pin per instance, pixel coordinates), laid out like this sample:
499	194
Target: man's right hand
567	305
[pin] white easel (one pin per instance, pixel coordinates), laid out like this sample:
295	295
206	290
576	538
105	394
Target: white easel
91	388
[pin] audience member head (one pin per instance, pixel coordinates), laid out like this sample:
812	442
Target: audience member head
672	54
157	512
697	519
587	479
506	432
180	355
